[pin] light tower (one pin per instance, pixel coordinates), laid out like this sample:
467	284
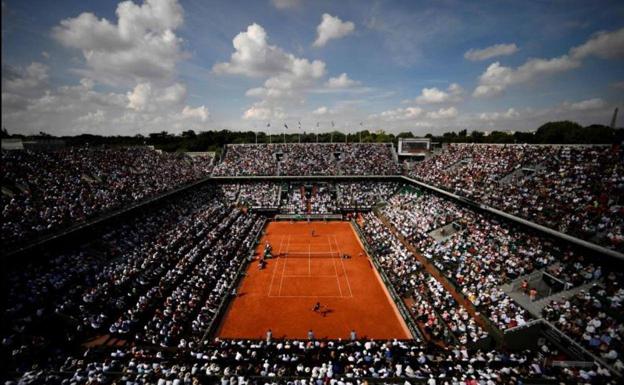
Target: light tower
614	118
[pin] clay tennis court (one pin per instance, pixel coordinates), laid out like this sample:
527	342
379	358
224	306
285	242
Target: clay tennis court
307	268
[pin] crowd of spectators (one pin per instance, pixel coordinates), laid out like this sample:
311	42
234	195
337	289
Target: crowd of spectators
574	272
312	199
323	200
252	194
308	159
594	318
158	280
438	314
229	192
154	284
364	194
368	159
480	253
259	194
574	189
295	201
361	195
230	362
45	191
247	159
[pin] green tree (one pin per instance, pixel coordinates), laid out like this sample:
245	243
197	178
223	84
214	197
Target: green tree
477	136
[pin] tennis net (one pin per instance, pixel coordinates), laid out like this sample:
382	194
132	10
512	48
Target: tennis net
314	254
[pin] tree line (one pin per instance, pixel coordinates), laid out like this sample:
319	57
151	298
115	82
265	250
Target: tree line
563	132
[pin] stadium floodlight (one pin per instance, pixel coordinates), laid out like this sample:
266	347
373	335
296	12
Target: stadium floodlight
361	132
256	132
317	128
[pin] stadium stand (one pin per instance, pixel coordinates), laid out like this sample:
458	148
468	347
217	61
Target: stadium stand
577	190
364	194
439	315
45	191
136	302
316	198
305	362
308	159
480	253
151	281
252	194
593	317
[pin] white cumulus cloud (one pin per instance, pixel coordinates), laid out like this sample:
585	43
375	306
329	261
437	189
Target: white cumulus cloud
323	110
415	115
443	113
77	109
141	46
332	27
489	116
491	51
342	81
399	114
434	95
31	80
497	77
586	105
96	117
605	45
287	76
144	97
139	98
260	111
200	113
286	4
255	57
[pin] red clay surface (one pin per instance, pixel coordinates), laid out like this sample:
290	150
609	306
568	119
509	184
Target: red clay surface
281	296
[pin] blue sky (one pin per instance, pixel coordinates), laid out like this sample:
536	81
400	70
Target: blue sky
113	67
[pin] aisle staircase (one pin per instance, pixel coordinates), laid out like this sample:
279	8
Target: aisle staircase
535	307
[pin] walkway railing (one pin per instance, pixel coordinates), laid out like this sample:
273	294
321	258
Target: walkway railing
47	239
409	320
447	283
542	229
240	272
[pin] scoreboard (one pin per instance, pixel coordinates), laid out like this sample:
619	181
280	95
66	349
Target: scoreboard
414	146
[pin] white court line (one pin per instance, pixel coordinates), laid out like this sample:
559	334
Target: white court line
306	296
323	252
284	267
335	268
343	266
276	265
309	261
308	276
280	246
